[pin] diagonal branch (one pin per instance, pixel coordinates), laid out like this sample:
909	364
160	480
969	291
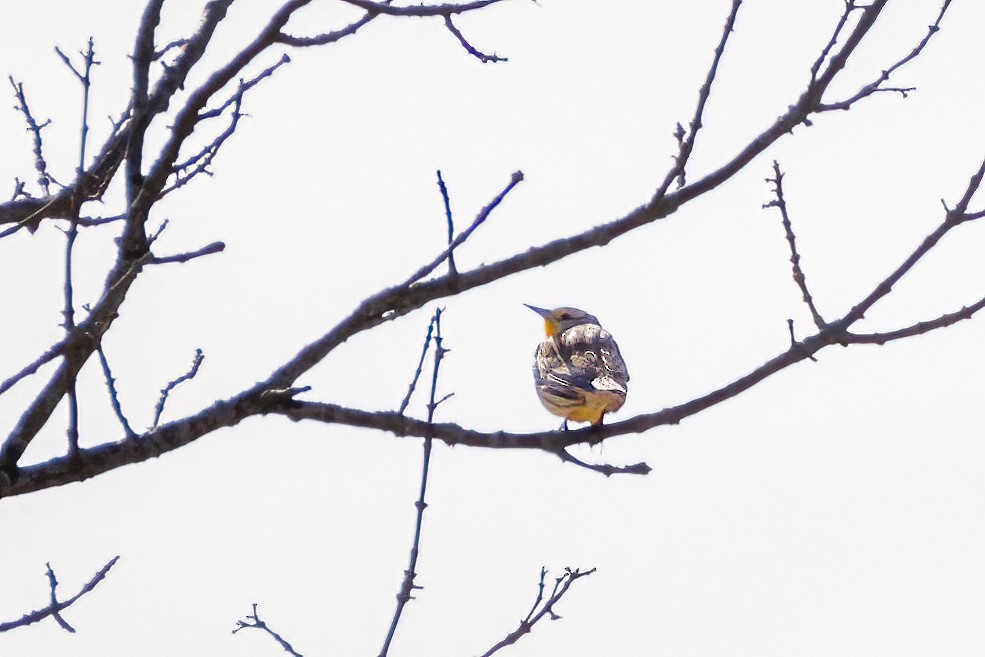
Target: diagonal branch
469	48
876	85
798	274
542	608
253	621
55	608
166	391
407	585
686	143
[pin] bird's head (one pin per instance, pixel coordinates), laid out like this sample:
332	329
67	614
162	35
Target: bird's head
559	320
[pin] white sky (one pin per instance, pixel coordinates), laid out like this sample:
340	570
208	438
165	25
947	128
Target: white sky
835	509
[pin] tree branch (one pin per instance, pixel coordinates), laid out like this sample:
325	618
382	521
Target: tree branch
253	622
542	608
686	143
407	585
55	608
798	274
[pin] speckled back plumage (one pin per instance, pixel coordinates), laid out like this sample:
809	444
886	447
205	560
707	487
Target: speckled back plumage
580	374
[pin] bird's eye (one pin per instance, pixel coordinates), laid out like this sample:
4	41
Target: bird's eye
564	316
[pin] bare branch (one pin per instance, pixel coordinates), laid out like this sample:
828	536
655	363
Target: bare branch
417	373
876	85
253	622
99	221
323	39
541	607
515	180
604	468
918	328
177	43
798	275
53	352
399	300
214	247
407	585
200	162
113	395
451	224
126	143
421	10
187	376
850	6
35	129
686	144
55	607
469	48
952	218
244	86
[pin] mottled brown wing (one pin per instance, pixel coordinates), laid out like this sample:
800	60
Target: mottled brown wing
555	385
593	358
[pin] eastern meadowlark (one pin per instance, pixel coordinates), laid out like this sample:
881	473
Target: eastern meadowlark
578	370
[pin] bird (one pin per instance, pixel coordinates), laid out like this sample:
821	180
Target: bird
578	370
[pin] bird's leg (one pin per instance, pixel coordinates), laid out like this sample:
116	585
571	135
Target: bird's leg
564	425
595	440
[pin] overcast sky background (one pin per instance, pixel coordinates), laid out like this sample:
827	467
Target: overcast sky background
836	509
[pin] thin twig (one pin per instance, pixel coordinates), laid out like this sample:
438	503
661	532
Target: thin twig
55	607
876	85
200	162
780	203
469	48
546	607
686	144
114	397
850	6
253	622
177	43
208	249
99	221
53	352
407	585
604	468
187	376
450	221
35	129
417	373
71	234
515	180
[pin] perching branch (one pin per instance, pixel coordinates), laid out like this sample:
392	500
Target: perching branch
388	304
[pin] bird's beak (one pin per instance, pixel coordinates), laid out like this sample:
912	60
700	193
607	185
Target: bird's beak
543	312
549	326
